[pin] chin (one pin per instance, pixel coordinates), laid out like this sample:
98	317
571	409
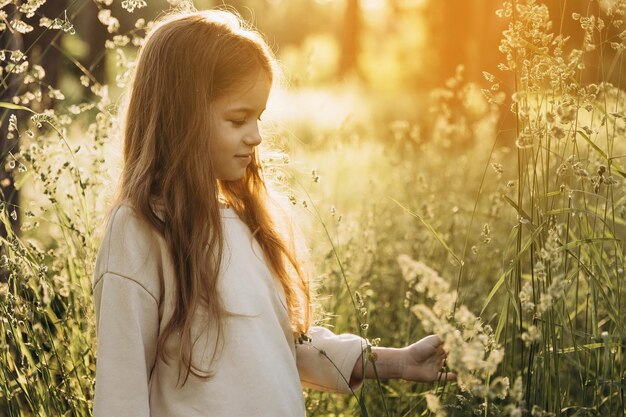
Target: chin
232	177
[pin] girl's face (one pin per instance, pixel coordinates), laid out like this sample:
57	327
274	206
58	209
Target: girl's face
236	119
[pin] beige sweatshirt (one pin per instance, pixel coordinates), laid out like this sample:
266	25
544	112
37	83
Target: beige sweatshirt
260	368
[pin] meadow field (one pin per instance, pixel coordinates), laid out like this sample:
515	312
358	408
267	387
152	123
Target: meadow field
491	213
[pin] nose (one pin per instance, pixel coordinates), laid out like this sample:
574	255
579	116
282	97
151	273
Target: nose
254	137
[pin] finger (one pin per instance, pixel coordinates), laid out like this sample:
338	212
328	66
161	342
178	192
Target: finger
446	377
434	340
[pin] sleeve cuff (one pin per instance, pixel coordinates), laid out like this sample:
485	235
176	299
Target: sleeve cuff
327	361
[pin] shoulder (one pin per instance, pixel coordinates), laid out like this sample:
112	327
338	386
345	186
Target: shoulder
131	248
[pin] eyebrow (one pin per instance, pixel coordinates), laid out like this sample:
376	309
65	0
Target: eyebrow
244	109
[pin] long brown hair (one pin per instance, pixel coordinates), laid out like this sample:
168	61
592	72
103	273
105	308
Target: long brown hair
189	60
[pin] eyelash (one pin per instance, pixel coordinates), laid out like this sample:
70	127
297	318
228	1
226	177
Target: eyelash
239	123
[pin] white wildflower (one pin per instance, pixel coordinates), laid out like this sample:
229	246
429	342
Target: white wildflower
131	5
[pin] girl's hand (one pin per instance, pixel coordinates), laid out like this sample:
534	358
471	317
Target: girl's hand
423	361
420	362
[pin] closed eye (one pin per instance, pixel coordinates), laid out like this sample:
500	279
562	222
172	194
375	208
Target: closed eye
241	122
238	122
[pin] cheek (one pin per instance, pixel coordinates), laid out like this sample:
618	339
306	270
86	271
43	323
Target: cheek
218	135
221	148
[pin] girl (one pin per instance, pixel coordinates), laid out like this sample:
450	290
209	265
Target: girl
202	307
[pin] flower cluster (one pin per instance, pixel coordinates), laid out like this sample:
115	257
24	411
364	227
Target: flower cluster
472	350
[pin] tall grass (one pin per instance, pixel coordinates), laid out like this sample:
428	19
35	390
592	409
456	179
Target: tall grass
47	327
562	322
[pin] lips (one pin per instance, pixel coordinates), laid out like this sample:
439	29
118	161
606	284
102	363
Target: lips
244	158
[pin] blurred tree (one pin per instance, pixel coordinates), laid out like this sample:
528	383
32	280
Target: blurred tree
350	40
290	23
42	47
94	34
39	44
9	40
468	33
462	32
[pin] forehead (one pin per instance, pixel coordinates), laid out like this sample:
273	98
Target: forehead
250	95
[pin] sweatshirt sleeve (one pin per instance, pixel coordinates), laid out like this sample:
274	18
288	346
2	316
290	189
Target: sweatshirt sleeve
327	361
127	320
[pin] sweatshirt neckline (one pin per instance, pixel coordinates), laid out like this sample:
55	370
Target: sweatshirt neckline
228	212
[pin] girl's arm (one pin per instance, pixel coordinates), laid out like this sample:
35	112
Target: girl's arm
126	294
420	362
326	360
127	330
